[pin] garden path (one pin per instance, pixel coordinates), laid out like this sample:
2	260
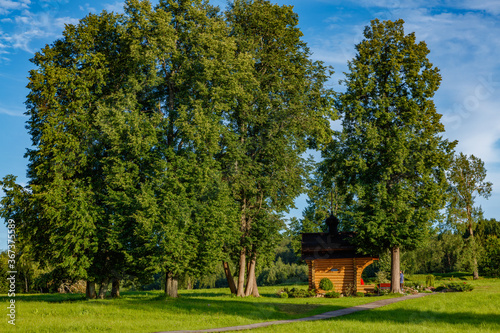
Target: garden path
326	315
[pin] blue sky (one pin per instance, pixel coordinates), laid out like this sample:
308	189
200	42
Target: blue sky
463	36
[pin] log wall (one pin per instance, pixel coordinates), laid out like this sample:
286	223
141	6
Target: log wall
343	273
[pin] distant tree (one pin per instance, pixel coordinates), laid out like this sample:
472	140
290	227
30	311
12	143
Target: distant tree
390	155
467	180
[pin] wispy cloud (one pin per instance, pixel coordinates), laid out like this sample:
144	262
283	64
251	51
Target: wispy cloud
116	7
7	6
87	8
29	26
14	111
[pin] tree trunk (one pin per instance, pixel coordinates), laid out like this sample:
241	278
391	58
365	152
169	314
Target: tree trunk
251	277
171	285
229	277
473	246
255	290
189	284
115	287
241	276
103	288
251	288
395	269
90	290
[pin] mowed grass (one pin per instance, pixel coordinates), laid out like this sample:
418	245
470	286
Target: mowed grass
476	311
152	312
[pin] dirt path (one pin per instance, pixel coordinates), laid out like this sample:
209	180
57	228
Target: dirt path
326	315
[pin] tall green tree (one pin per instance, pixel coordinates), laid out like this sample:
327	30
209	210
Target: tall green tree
285	105
390	156
196	73
126	114
73	78
466	177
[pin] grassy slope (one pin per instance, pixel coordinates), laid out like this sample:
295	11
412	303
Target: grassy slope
149	312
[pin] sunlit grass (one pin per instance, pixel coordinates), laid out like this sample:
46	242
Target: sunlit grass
200	309
476	311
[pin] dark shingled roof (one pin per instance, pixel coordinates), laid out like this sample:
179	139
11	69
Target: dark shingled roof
330	245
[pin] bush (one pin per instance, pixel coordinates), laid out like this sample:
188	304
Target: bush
429	280
360	294
455	286
332	294
325	284
418	285
284	295
298	293
350	290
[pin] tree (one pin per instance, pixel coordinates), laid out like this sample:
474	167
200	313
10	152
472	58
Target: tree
187	212
285	104
389	156
125	118
467	180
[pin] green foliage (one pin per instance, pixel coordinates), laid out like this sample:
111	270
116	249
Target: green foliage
390	158
284	294
455	286
418	285
350	290
360	294
467	180
325	284
429	280
284	109
390	155
299	293
491	263
280	273
332	294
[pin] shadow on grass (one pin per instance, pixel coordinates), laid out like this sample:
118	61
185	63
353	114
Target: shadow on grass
49	298
255	311
419	317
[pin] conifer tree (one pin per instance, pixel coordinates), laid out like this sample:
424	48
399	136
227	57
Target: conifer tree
390	156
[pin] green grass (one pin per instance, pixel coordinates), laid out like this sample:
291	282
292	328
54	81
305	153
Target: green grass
478	310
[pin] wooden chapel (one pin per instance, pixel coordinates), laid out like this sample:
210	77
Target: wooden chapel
331	255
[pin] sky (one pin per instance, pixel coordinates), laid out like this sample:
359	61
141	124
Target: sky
462	35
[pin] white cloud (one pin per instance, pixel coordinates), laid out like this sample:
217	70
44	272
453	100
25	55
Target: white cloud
117	7
87	9
15	112
30	26
7	6
489	6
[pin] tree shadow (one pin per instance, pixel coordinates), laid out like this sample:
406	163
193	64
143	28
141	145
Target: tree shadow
406	316
49	298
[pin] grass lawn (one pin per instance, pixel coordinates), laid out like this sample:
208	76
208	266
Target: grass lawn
475	311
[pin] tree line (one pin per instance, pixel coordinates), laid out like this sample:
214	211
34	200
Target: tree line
171	139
